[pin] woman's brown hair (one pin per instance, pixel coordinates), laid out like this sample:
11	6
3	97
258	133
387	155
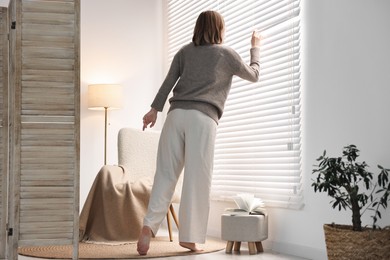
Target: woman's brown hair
209	29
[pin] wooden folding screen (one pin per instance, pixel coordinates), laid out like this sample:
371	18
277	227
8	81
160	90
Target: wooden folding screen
44	164
3	127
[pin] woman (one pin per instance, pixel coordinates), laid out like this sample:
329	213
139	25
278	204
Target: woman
201	75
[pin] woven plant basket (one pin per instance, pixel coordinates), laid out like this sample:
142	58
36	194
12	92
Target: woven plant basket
342	243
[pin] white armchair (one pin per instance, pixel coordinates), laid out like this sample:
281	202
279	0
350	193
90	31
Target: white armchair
137	152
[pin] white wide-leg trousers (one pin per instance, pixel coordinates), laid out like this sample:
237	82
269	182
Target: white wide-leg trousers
187	140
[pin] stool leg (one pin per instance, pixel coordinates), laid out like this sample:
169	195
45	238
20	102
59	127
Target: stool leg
259	247
229	247
237	246
252	248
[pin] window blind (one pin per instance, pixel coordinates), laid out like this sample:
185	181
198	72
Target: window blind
258	144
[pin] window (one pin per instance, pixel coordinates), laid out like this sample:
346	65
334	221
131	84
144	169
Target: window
258	145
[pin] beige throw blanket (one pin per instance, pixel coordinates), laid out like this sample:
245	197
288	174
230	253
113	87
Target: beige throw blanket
114	210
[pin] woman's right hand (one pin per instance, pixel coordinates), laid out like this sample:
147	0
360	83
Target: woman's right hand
256	38
150	118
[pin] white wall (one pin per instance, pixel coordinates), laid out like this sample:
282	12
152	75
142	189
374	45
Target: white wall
346	99
121	42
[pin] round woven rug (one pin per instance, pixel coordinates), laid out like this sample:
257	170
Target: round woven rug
159	247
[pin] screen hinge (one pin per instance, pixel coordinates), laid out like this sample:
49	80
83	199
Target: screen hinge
10	231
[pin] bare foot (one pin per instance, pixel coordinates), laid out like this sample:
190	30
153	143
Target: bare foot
190	246
144	240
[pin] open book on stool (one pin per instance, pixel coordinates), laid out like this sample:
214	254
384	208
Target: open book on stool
234	212
247	203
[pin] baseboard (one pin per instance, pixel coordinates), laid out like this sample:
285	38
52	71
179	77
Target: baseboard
284	248
298	250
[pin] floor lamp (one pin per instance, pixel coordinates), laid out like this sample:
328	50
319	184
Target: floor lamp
105	97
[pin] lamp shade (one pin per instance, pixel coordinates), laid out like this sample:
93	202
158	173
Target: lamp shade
101	96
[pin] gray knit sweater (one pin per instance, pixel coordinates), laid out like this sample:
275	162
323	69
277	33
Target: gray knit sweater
202	77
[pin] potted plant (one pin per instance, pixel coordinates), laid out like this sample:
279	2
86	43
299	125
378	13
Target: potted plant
353	187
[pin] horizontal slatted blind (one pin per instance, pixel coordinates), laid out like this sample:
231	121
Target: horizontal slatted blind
181	17
258	145
49	114
3	127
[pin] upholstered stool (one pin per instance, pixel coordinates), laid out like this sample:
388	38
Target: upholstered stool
244	227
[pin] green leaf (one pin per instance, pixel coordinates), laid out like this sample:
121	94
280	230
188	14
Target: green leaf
367	182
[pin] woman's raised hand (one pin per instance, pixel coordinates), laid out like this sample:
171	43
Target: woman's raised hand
149	118
256	38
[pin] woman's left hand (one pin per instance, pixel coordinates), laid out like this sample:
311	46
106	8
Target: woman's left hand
150	118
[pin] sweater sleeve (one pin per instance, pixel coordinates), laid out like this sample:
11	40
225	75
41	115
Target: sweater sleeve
169	82
250	72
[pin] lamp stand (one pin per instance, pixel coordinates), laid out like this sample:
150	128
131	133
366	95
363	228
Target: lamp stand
105	135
